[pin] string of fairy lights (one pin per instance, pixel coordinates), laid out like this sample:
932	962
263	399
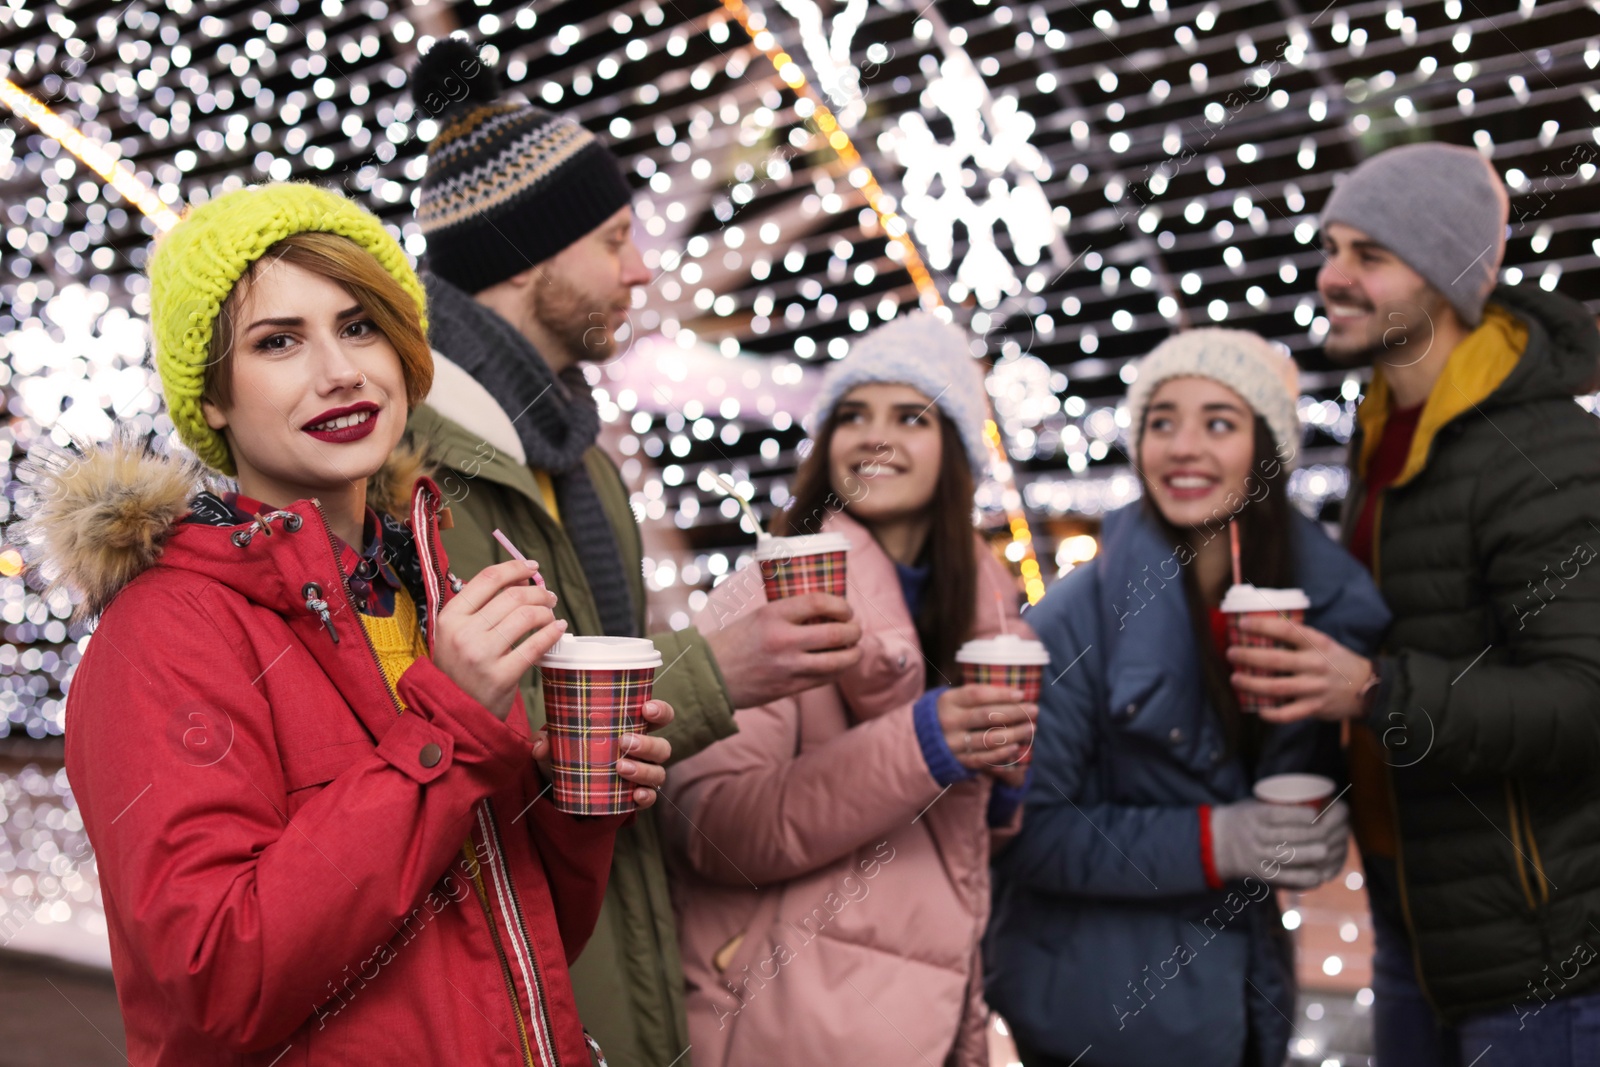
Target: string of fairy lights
789	197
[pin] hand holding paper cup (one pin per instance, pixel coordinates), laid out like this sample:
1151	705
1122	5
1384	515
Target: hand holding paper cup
1244	601
595	689
1006	660
806	563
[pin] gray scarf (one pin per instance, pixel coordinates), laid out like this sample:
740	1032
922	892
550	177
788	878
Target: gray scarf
556	420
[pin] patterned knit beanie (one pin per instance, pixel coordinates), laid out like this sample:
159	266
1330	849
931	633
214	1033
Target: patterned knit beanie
197	263
927	354
1245	362
508	184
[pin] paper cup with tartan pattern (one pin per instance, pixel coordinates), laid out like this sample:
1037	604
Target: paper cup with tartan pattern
1244	601
595	689
1009	660
807	563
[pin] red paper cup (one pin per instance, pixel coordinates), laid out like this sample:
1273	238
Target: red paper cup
1007	660
595	689
1246	601
1310	790
809	563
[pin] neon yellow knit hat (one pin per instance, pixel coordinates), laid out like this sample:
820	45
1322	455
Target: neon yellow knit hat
198	262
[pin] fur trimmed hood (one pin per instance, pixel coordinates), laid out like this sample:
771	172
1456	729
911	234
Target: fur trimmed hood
95	517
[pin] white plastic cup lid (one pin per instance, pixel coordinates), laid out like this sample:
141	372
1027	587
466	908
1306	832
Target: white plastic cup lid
1246	597
1004	650
1294	789
602	653
801	545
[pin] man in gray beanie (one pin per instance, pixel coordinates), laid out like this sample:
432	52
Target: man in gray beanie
1475	742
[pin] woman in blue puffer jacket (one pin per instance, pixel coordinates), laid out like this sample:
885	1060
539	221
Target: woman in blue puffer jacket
1134	921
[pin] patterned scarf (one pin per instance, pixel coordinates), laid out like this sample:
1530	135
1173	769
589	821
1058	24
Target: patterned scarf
556	420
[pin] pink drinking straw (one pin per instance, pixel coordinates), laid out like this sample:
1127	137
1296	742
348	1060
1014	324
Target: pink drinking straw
1000	609
1233	543
505	543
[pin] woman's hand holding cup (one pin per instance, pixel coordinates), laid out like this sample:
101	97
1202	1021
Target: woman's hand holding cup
475	640
644	763
987	727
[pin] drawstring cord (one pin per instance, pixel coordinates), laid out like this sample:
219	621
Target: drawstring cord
291	522
318	606
315	603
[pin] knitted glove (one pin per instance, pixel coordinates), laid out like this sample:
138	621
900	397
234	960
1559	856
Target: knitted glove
1287	845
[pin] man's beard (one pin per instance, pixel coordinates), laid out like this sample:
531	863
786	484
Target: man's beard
576	320
1398	335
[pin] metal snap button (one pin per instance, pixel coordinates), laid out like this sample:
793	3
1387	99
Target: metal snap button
1176	736
430	755
1130	711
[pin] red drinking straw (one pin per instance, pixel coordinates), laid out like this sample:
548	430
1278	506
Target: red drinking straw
1233	543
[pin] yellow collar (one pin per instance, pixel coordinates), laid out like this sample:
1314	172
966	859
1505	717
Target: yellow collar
1483	360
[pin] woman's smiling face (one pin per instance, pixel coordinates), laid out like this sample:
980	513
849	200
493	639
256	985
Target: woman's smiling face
1196	450
885	452
318	393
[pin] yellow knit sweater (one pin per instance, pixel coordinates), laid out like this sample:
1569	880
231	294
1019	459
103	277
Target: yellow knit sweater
397	640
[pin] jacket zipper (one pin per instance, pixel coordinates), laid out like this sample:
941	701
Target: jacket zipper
1522	836
1394	803
494	934
1533	846
516	909
499	951
492	837
344	583
1516	845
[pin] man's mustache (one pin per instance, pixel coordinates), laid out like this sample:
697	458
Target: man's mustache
1349	297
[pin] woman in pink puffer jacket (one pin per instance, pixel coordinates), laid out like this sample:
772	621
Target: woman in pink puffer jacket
831	859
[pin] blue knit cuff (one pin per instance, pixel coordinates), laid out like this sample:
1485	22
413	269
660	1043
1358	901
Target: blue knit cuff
942	763
1005	799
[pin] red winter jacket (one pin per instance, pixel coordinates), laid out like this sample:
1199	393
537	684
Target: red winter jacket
281	851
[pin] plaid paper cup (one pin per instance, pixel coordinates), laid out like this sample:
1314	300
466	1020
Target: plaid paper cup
1008	660
587	711
810	563
1254	702
1027	677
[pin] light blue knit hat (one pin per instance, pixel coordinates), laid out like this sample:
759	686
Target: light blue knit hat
930	356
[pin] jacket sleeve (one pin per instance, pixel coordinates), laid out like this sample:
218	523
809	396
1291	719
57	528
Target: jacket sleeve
1068	843
753	811
240	915
1529	701
573	850
690	680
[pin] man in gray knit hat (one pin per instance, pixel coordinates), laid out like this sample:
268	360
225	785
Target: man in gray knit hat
1475	733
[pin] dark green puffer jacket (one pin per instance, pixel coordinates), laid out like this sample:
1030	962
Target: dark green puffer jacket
1489	701
629	980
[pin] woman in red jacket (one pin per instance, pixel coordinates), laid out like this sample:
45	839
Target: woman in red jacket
295	737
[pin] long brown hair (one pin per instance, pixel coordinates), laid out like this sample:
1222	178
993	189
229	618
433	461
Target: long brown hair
1266	559
945	621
